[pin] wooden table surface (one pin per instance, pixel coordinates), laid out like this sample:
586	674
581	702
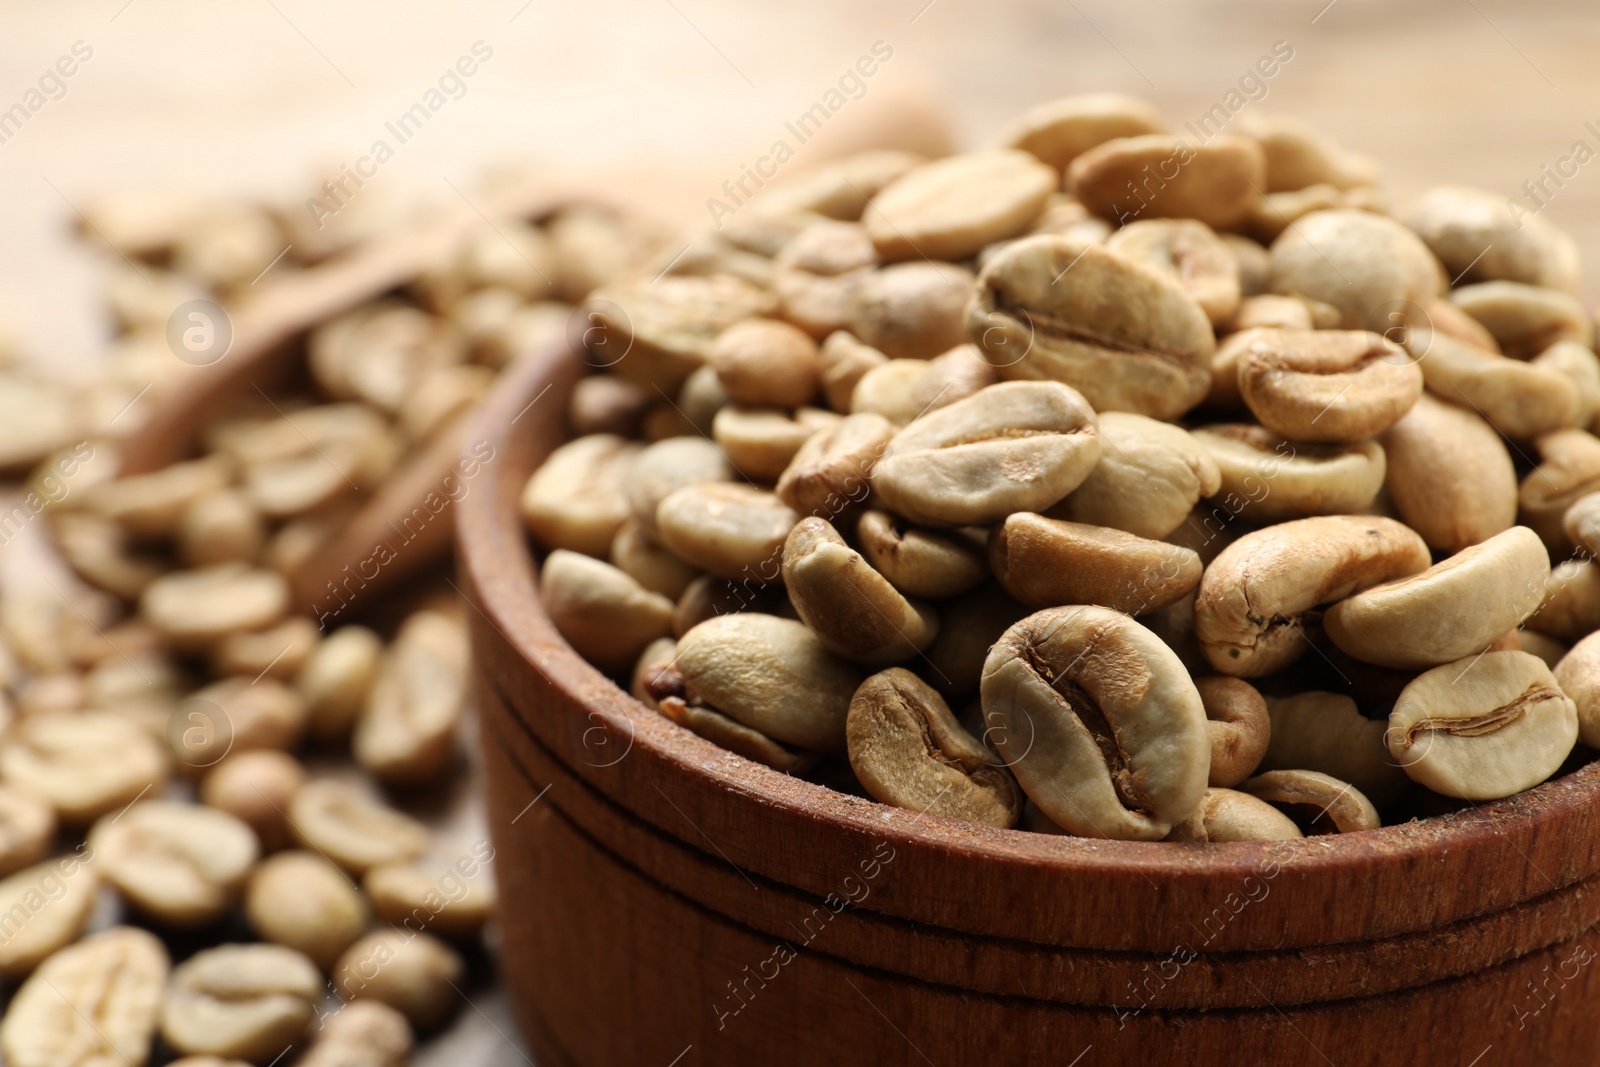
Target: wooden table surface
672	96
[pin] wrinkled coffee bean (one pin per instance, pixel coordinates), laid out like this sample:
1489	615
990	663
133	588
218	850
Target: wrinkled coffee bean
830	474
1525	319
1249	616
1016	446
1049	562
1579	365
854	611
1189	252
249	1002
1519	399
1238	725
1569	469
933	564
1483	728
734	736
908	750
1149	476
772	675
1453	609
1048	309
1228	815
93	1003
951	208
1328	385
1099	722
1272	478
1320	803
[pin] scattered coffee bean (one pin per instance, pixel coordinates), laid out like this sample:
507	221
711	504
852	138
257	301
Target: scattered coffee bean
56	897
345	824
415	973
180	864
247	1002
302	901
94	1002
363	1033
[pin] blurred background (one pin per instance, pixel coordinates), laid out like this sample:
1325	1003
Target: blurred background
667	98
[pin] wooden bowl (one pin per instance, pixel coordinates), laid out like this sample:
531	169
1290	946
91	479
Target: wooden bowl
669	903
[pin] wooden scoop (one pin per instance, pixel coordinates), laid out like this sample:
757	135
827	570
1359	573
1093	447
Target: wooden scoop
397	532
263	327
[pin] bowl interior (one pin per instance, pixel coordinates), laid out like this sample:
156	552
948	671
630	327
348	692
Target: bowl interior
794	831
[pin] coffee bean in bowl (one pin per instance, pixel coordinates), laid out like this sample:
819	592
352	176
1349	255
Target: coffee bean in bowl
1197	650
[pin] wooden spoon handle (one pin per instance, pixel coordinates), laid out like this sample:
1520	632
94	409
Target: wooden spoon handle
264	324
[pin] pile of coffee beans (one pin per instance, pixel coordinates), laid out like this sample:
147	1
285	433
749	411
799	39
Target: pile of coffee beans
1103	483
235	826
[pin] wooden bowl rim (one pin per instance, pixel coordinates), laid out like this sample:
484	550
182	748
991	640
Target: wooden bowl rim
497	563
